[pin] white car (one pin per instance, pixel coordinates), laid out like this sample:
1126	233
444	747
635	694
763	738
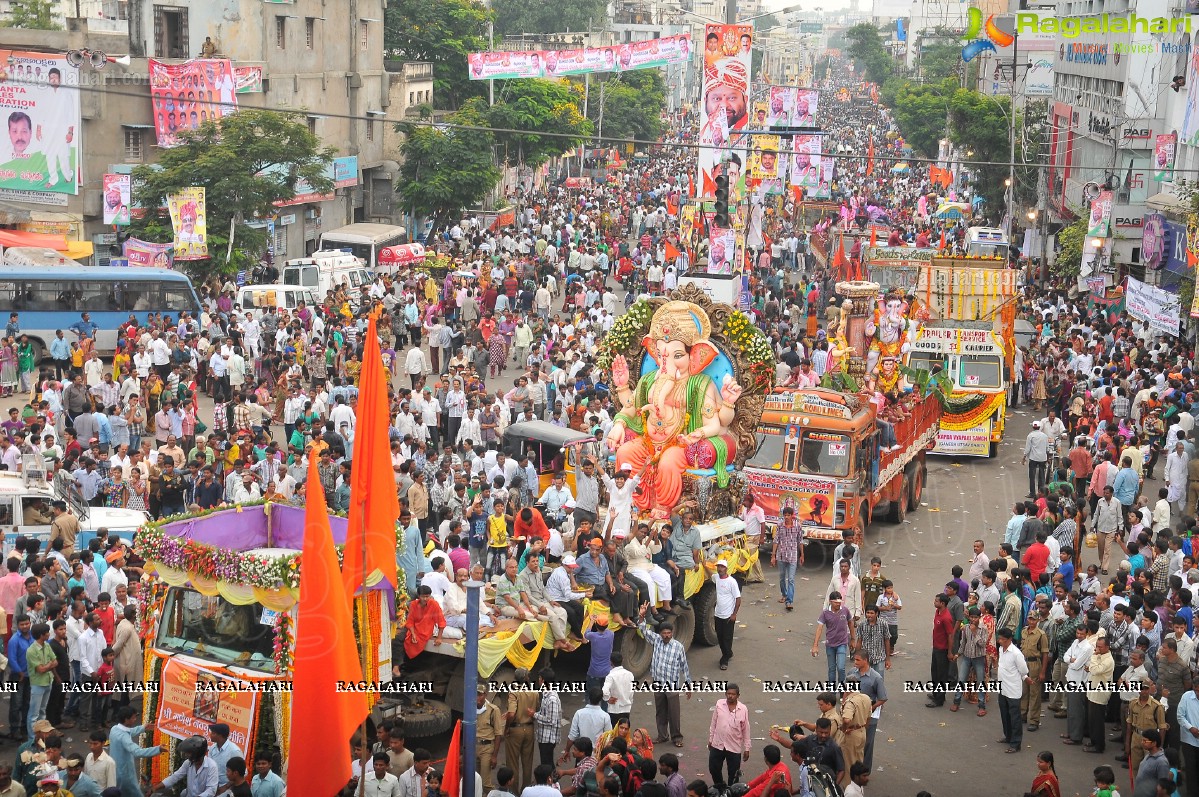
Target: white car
20	491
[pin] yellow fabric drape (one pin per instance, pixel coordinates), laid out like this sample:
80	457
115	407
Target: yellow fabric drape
494	650
280	600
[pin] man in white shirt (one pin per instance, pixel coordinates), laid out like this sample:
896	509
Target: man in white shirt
1013	674
379	782
1077	658
114	576
618	689
412	782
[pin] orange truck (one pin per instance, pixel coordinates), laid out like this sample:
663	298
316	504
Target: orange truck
820	452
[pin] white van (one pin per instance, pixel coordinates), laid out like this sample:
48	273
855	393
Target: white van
325	269
261	297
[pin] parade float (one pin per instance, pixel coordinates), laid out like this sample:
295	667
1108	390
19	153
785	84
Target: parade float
839	453
218	614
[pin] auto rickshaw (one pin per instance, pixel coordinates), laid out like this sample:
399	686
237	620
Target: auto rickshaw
550	448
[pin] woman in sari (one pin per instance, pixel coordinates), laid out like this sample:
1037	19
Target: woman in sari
987	621
9	375
642	744
1045	784
622	730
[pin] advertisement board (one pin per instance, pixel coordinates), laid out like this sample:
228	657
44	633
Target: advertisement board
648	54
39	97
1153	241
812	497
724	105
1101	215
1164	148
1038	80
145	254
1147	303
974	442
186	95
192	698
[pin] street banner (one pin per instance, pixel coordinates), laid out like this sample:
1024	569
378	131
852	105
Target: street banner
806	102
186	95
649	54
725	100
188	220
1190	119
39	98
1153	241
1101	215
1163	157
805	162
1038	79
1096	285
1147	303
760	118
116	199
722	250
767	169
782	105
145	254
813	499
248	79
191	699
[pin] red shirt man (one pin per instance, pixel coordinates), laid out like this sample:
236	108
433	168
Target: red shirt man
942	625
531	525
1036	558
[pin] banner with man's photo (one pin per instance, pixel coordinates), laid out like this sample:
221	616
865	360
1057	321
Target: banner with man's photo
116	199
724	107
184	96
39	97
188	220
649	54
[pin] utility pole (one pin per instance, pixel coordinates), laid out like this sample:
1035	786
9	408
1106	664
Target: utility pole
730	12
491	49
1011	203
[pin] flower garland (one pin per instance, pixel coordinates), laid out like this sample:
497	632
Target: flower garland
220	564
284	644
624	333
746	336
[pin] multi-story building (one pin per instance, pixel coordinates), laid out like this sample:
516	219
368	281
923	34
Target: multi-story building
344	91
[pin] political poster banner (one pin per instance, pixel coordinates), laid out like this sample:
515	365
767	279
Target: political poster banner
192	698
1153	241
1163	157
813	499
116	199
185	96
767	168
724	103
148	255
759	119
1101	215
805	162
782	105
1190	119
806	103
39	97
649	54
248	79
188	220
1147	303
722	250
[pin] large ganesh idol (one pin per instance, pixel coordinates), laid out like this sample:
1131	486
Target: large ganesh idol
687	419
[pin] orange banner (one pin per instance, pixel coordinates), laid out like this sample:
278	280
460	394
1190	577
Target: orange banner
192	698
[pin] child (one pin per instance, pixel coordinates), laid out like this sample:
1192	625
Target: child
503	783
1065	570
1105	777
889	605
433	783
497	540
107	615
106	677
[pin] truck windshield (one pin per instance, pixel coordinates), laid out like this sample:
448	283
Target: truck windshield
212	628
980	371
925	360
824	454
769	454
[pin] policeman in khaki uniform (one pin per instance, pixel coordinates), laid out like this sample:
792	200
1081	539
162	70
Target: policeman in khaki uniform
855	717
1144	713
489	731
1035	646
518	743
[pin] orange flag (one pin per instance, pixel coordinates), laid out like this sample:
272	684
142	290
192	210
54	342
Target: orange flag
322	720
942	246
873	236
671	251
672	210
870	157
451	784
374	506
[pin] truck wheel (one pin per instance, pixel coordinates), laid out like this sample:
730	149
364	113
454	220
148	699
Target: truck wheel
636	651
899	507
994	451
424	717
703	603
917	489
684	625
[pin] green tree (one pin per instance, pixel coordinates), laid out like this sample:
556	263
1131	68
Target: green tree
536	16
920	112
441	32
1068	262
544	106
940	60
444	171
31	14
632	105
246	163
868	52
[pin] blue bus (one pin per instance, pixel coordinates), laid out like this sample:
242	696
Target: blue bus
50	299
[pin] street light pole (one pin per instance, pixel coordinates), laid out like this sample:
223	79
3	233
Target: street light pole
1011	203
730	12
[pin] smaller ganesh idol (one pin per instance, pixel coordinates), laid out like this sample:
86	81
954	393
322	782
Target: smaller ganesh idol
890	327
676	417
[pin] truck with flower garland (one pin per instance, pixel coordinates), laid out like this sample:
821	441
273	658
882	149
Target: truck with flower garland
218	613
967	306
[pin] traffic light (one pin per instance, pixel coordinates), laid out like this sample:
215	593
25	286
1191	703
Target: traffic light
722	202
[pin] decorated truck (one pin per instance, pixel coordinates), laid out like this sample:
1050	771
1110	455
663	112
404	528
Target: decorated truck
841	453
218	619
690	378
967	310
